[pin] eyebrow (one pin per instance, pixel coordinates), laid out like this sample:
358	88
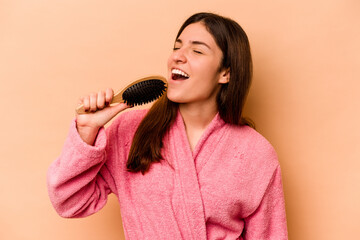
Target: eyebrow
195	43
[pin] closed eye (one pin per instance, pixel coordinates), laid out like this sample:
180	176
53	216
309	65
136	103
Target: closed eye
196	51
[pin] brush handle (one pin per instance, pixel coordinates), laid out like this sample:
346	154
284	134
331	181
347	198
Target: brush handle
117	98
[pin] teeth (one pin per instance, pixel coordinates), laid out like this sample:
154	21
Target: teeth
179	72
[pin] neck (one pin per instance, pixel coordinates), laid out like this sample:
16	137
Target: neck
197	117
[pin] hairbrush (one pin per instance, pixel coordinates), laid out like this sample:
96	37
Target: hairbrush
139	92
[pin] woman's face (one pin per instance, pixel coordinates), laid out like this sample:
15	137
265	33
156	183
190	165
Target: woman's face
193	67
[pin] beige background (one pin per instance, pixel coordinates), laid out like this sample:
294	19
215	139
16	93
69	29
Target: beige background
304	99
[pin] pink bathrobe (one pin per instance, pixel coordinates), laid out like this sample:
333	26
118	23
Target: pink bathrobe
229	187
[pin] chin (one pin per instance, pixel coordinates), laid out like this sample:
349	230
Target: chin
176	99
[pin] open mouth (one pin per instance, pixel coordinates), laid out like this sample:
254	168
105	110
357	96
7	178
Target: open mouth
177	74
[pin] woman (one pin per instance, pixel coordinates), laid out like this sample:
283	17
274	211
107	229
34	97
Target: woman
190	167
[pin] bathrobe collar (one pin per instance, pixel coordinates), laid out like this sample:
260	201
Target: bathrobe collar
187	165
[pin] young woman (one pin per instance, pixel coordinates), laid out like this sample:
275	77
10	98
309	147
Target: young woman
188	168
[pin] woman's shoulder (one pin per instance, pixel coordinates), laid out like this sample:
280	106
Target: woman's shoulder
247	133
253	143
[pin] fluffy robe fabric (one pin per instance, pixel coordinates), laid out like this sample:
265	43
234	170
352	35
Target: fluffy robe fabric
229	187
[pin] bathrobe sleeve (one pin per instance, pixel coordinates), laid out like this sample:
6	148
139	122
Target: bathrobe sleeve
268	222
78	181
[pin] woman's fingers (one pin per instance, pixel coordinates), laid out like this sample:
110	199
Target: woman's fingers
109	93
97	101
88	124
93	102
101	100
86	102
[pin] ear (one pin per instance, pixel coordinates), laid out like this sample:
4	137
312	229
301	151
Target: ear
224	76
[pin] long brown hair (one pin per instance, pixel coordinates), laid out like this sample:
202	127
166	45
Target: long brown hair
234	44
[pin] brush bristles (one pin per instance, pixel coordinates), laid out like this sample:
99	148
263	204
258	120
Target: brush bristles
144	92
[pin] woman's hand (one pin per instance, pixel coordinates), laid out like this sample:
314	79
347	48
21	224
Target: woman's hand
99	113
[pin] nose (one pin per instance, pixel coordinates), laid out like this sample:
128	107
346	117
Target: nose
179	56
